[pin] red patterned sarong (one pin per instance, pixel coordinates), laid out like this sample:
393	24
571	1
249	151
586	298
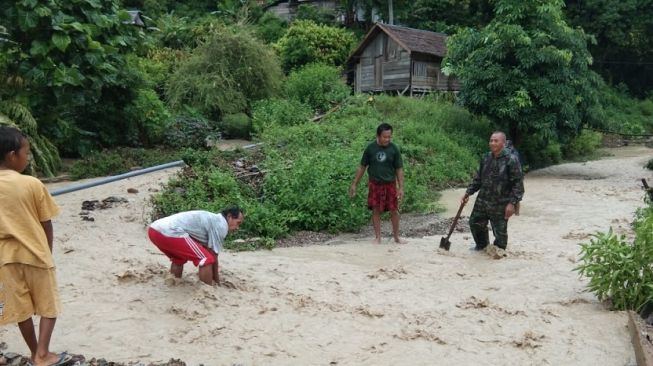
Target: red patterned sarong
382	196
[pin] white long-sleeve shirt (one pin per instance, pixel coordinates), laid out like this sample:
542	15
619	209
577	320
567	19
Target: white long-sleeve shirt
206	227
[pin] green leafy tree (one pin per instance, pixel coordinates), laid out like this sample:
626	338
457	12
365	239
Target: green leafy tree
270	27
306	42
449	15
227	72
527	70
623	31
70	55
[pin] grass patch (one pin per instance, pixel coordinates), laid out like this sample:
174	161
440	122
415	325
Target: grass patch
120	160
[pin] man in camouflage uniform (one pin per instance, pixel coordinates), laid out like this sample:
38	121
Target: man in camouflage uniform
501	185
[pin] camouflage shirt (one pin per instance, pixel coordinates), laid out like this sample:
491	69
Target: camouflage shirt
500	180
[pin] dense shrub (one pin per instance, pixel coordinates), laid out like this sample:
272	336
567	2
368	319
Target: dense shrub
270	27
318	85
306	42
316	14
620	271
237	125
621	113
649	165
189	130
582	145
226	73
282	112
149	115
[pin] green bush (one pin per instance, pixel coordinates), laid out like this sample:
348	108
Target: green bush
306	42
539	152
281	112
189	130
582	145
237	125
318	85
646	107
270	27
148	113
618	271
317	14
621	113
649	165
225	74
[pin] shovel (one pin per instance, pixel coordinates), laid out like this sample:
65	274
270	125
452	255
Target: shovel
444	242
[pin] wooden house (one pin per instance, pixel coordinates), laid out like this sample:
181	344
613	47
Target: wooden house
398	59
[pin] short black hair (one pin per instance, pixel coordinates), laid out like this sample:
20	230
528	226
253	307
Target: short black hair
11	139
383	127
234	212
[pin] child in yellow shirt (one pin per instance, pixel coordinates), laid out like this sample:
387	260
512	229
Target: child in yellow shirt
28	283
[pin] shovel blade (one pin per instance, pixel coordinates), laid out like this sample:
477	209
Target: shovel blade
445	244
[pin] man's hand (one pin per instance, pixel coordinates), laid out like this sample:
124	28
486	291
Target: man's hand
352	191
510	210
400	194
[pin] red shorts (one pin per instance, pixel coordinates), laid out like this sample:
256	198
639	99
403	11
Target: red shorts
381	196
181	250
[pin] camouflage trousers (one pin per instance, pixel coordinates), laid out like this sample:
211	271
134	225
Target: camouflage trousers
494	213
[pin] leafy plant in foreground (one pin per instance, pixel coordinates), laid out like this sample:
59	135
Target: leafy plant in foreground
618	271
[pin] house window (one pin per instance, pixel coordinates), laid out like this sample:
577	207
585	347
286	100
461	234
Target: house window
419	68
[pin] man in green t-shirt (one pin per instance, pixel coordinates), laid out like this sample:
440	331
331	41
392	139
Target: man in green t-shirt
382	159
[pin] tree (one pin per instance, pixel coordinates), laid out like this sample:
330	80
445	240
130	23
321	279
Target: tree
71	57
224	74
623	31
527	70
449	15
306	42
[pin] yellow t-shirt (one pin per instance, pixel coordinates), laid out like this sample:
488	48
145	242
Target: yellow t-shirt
24	204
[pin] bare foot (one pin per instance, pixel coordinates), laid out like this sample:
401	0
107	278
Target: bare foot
377	241
400	241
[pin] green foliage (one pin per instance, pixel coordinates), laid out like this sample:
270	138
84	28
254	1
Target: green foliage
316	14
582	145
225	74
623	34
71	57
309	166
45	157
270	27
306	189
280	112
649	165
306	42
238	126
189	129
155	68
118	161
449	15
528	71
148	115
317	85
175	32
618	271
620	113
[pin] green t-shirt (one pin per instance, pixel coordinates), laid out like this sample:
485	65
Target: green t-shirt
382	162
